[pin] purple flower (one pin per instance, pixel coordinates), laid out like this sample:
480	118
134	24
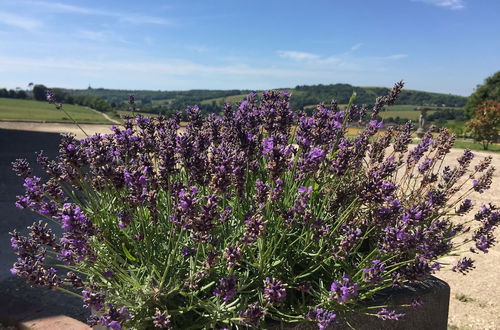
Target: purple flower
50	97
252	315
277	190
323	318
344	290
484	181
232	254
466	158
21	167
108	274
124	219
254	228
188	251
162	320
226	289
74	280
465	207
274	291
464	265
92	298
310	161
425	165
484	240
373	274
114	318
385	314
417	153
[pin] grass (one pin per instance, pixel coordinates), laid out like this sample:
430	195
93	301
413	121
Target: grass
228	99
129	113
463	297
403	114
472	145
38	111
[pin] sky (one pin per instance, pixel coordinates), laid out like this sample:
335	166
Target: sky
446	46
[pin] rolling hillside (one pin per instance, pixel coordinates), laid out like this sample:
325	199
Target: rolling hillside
28	110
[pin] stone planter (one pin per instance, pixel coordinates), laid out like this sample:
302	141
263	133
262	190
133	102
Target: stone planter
433	315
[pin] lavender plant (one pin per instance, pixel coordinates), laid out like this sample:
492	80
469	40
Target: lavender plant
255	216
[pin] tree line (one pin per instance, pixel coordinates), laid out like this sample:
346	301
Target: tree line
168	102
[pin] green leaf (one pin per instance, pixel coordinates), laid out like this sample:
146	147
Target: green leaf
127	253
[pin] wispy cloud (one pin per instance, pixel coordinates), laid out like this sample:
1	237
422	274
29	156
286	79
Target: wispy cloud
392	57
22	22
449	4
356	46
170	67
346	59
102	36
297	56
57	7
178	74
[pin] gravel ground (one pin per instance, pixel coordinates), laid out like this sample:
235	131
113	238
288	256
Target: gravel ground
475	297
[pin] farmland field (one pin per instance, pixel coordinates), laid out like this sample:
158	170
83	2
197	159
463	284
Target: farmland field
27	110
404	114
227	99
129	113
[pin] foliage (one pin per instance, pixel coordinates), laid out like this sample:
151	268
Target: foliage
490	90
39	92
341	93
13	94
485	126
212	101
255	216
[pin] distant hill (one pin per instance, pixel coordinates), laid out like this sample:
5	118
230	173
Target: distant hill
304	97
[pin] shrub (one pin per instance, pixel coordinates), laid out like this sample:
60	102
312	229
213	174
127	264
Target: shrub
485	125
261	214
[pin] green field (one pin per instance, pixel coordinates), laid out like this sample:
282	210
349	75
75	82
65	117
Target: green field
239	98
27	110
227	99
403	114
129	113
402	107
468	144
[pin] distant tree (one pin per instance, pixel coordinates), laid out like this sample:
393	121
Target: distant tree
22	94
486	124
39	92
4	92
490	90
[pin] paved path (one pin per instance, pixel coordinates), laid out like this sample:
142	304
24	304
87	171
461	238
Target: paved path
106	116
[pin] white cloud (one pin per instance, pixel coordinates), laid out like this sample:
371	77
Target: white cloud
169	67
393	57
141	19
356	47
21	22
179	74
56	7
450	4
298	56
344	60
102	36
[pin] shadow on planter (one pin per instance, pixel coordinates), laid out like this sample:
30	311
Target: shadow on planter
433	315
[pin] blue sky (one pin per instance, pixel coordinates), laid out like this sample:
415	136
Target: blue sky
445	46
